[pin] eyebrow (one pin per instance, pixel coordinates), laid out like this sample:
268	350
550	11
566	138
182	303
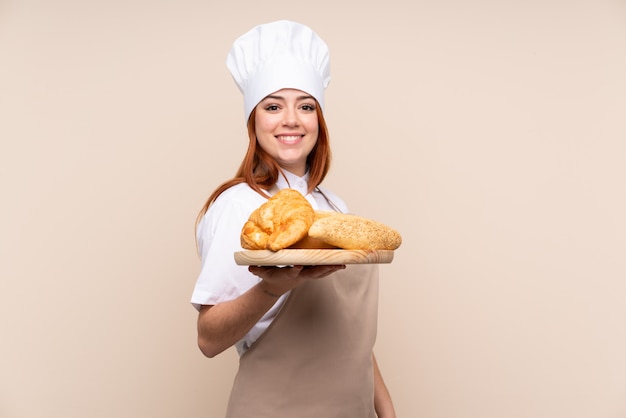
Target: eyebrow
305	97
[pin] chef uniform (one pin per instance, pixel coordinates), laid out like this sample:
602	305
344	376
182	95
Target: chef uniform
311	355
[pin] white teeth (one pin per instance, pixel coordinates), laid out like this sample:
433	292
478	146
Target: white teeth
289	138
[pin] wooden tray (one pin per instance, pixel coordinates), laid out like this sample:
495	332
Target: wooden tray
311	257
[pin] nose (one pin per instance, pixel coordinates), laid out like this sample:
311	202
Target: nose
291	117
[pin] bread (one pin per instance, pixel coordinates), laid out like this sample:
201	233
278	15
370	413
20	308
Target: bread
278	223
287	220
308	242
352	232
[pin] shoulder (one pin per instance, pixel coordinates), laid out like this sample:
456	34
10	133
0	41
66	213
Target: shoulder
233	205
241	196
226	215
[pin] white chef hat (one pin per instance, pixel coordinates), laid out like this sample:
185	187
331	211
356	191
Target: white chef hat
278	55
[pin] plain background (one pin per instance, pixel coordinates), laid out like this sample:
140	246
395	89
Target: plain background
491	134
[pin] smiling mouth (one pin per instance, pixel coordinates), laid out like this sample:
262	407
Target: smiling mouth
289	139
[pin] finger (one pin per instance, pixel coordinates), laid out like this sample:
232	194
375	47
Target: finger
265	272
333	270
316	272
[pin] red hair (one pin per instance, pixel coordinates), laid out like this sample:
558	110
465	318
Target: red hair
260	171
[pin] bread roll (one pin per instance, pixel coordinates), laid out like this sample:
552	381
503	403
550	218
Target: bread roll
352	232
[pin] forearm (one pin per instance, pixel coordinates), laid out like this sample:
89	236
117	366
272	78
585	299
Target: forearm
382	399
222	325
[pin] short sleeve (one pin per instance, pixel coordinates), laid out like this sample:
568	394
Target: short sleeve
218	235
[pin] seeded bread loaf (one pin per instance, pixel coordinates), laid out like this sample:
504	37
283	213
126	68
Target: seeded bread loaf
352	232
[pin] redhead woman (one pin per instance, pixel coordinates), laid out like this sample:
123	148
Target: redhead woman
305	335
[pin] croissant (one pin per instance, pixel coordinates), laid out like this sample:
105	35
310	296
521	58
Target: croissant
278	223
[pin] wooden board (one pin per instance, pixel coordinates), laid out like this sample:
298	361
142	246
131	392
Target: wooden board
311	257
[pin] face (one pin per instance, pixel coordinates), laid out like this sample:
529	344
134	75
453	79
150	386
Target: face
287	128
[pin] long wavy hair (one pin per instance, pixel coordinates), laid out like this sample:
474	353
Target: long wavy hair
260	171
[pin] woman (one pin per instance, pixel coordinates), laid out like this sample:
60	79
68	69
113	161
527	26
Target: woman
304	334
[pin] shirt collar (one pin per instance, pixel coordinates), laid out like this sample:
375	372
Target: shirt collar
292	181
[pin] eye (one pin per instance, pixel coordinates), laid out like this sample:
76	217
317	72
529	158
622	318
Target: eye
308	107
271	108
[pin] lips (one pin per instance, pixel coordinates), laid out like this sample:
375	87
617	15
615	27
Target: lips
289	139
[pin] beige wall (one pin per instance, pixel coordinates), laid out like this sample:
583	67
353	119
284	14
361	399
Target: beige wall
490	133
